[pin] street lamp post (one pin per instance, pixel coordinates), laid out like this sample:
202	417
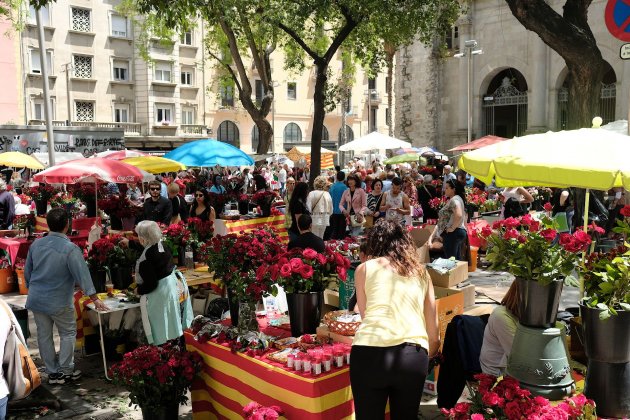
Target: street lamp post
273	117
470	50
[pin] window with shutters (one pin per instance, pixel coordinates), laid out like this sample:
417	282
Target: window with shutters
292	133
36	65
119	26
186	76
164	113
227	95
84	111
259	91
187	38
39	113
81	20
121	113
163	71
32	20
121	70
82	66
188	115
292	90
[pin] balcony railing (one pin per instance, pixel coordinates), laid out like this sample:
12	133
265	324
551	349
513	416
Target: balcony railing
193	129
131	129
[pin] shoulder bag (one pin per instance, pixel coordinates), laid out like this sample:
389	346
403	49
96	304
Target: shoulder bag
20	371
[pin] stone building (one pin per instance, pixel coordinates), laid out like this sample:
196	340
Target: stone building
518	83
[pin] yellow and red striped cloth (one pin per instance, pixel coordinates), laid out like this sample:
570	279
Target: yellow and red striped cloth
275	222
327	160
228	381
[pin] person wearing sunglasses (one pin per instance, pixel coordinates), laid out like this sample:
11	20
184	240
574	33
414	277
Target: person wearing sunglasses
157	208
201	207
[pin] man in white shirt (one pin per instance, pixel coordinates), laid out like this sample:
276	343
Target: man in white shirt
448	175
282	178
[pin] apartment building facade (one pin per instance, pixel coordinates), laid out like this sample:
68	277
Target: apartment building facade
99	79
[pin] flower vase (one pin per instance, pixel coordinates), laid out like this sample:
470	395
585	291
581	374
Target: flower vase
115	222
607	346
121	277
305	312
247	317
90	208
160	412
99	279
234	306
181	256
41	206
538	303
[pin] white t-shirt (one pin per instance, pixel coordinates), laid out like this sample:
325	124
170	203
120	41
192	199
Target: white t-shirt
497	341
5	327
282	176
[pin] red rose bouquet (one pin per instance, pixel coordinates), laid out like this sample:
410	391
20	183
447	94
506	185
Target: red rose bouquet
263	197
438	202
504	399
157	376
85	192
41	192
200	230
235	259
476	197
306	270
107	252
527	248
255	411
119	206
175	236
65	201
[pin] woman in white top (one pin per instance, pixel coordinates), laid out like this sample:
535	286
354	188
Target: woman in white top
520	194
319	203
499	334
452	220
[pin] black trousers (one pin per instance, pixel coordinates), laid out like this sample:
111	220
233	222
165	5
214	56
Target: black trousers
380	373
337	226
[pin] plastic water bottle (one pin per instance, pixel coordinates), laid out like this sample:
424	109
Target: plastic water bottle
188	257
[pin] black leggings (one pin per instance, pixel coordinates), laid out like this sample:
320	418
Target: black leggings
380	373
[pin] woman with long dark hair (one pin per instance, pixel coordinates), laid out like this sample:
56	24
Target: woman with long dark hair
452	220
297	207
399	331
201	207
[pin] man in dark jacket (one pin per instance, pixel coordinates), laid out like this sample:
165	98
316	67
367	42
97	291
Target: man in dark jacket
157	208
7	207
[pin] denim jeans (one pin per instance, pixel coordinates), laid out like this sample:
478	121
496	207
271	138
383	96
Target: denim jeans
67	329
3	407
453	243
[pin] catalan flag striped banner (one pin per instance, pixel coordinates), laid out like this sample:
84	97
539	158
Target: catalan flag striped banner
274	222
227	382
327	160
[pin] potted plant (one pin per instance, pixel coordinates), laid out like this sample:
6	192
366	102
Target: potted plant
157	378
528	249
175	237
235	260
41	194
304	275
605	311
503	399
106	254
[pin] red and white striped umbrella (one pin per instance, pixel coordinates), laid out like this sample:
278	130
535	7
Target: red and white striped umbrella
120	154
90	170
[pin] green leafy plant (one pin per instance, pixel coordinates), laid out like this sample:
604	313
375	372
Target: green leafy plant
607	275
533	250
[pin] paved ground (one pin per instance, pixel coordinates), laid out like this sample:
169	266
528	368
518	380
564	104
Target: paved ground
93	397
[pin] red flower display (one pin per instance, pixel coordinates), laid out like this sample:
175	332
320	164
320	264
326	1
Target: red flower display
157	375
176	236
255	411
548	207
40	192
119	206
438	202
625	211
200	230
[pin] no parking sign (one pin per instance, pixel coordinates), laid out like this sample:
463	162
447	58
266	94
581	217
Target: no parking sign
618	19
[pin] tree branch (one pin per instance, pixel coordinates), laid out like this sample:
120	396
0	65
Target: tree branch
251	42
345	31
236	55
300	41
229	69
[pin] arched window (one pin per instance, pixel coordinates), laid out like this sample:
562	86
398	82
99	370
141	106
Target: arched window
349	134
292	133
228	133
325	136
255	138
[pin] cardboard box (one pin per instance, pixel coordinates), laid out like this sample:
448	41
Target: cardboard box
420	239
450	279
467	289
449	303
331	297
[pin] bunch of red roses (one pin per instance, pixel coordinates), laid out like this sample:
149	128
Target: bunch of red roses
306	270
176	236
438	202
119	206
528	249
503	399
200	230
41	192
235	258
255	411
157	375
625	211
476	197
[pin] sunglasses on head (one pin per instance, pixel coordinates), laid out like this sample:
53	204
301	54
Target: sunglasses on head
155	188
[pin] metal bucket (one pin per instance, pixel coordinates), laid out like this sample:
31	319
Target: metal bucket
538	304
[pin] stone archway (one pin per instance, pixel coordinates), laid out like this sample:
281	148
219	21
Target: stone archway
505	105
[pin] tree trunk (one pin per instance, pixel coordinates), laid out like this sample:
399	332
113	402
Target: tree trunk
319	112
390	51
585	89
265	136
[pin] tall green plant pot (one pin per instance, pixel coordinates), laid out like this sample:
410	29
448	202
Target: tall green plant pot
607	346
538	304
305	312
169	412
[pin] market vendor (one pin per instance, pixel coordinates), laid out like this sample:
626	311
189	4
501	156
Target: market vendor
306	238
157	208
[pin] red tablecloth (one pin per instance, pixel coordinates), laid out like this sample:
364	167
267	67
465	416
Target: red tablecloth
229	381
18	247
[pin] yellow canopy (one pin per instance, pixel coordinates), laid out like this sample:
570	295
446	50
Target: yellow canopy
587	158
20	160
155	164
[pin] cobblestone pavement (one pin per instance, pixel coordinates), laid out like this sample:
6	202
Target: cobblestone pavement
93	397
